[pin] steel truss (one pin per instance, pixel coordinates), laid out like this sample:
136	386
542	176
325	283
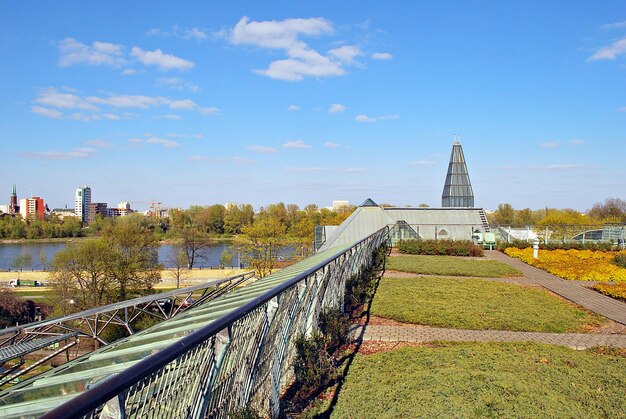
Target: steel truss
243	359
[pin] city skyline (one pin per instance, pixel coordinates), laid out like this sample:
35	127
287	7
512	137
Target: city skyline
196	104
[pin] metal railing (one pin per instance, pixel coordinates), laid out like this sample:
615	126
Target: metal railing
18	341
241	360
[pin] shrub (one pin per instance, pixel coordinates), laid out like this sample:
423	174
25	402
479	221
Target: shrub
313	367
334	326
439	247
617	291
620	260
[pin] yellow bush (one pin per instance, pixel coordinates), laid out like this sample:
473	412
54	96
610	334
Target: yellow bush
584	265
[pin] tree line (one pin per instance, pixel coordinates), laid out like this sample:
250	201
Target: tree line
612	210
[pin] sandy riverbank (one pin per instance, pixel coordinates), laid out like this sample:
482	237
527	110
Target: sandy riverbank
193	277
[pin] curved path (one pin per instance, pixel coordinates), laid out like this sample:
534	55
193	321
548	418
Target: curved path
415	333
571	290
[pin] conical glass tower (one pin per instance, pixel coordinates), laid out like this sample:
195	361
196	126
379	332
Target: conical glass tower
457	191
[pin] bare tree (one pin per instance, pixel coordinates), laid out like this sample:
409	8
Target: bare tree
179	267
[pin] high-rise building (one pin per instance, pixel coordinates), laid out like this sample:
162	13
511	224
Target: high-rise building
82	203
457	191
14	206
32	208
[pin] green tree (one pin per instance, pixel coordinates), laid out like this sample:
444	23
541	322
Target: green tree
82	273
21	262
136	264
504	215
261	243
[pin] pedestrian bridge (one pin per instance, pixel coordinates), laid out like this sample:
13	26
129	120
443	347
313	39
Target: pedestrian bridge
227	353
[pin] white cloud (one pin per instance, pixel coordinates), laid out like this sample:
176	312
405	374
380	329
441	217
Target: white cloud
160	59
130	101
262	149
622	109
422	163
76	153
566	166
549	144
99	53
365	118
382	56
223	160
191	33
346	54
170	116
610	52
336	108
47	112
178	84
293	108
132	72
52	97
98	143
164	143
577	142
212	110
317	169
616	25
154	140
328	144
296	144
302	60
195	33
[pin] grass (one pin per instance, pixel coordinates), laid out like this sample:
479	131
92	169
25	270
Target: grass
465	303
477	379
450	265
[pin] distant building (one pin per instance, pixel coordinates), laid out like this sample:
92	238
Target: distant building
32	208
63	212
97	208
4	209
82	201
457	191
122	210
14	206
337	205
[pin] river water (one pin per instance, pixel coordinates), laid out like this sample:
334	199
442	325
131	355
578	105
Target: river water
39	251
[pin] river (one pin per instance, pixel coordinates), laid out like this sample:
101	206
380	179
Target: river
40	251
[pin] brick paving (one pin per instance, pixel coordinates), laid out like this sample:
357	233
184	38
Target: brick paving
415	333
570	290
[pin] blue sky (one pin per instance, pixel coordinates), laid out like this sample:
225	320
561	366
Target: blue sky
216	102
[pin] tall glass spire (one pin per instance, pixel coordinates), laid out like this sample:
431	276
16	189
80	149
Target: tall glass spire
457	191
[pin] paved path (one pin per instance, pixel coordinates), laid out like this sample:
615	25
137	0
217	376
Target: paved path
571	290
415	333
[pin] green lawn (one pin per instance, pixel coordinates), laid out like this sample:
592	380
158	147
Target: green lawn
450	265
477	379
465	303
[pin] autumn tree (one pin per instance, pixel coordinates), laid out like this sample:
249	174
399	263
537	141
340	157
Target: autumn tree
611	210
261	243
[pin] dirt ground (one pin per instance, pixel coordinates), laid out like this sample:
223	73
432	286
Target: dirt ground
196	276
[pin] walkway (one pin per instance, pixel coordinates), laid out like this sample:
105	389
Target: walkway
571	290
415	333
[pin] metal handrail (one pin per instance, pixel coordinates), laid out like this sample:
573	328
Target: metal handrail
119	305
96	396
